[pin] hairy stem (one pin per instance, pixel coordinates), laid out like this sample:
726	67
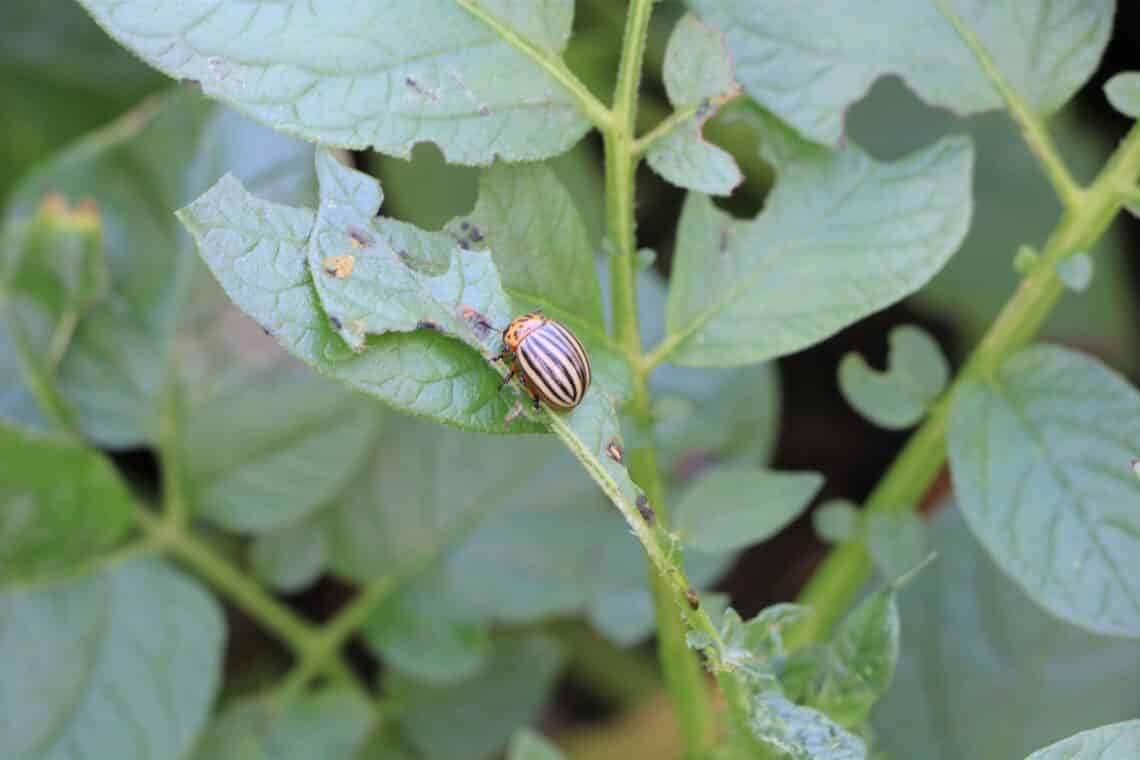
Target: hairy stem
683	676
834	586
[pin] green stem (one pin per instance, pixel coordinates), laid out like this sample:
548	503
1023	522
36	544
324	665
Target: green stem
834	586
598	114
1036	134
242	591
683	676
334	635
174	488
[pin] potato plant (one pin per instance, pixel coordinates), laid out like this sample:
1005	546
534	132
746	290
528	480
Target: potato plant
242	280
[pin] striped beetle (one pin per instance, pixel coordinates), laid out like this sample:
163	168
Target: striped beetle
552	362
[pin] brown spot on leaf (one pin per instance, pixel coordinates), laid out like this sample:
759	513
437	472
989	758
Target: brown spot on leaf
340	266
478	321
427	324
723	247
359	238
692	598
336	322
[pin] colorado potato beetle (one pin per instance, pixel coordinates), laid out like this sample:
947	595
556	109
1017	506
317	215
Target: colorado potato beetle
550	360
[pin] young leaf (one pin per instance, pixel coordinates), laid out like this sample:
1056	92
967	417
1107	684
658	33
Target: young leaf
61	506
836	521
530	745
331	725
386	76
481	712
962	621
847	676
841	237
729	509
136	171
787	53
273	449
52	272
896	542
125	664
257	250
1076	271
698	78
754	649
290	557
1033	452
1118	741
1123	92
917	372
801	732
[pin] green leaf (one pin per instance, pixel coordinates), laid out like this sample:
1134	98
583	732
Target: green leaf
1013	203
379	276
331	725
722	416
841	237
124	664
385	77
836	521
729	509
51	273
257	250
964	621
808	66
801	732
275	448
1076	271
137	171
917	373
1123	92
530	745
896	542
528	221
419	634
754	649
17	404
60	76
291	557
1039	456
847	676
1118	741
61	506
481	713
698	78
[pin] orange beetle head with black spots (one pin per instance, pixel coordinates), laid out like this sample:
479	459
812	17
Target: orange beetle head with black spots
522	326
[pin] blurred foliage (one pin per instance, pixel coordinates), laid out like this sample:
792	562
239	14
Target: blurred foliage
477	551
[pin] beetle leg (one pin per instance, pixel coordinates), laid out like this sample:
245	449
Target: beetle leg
537	405
501	356
507	379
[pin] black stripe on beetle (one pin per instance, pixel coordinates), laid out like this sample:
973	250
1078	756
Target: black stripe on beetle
552	362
